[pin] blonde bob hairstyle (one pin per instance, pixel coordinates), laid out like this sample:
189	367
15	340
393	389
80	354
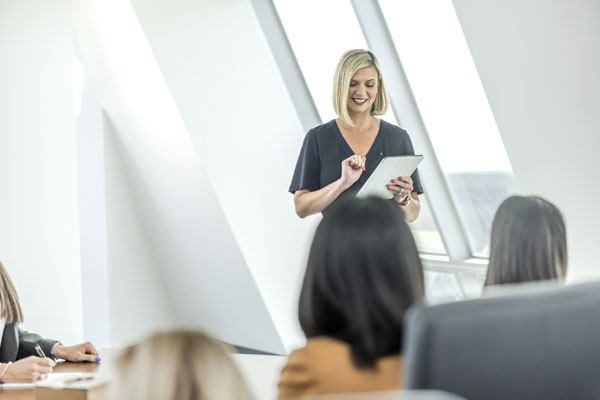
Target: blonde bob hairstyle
177	365
10	308
352	61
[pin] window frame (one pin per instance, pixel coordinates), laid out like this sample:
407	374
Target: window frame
403	104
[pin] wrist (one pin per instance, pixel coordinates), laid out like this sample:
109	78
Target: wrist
343	184
58	351
3	372
404	201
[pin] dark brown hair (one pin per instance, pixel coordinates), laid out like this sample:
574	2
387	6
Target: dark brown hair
528	242
363	273
10	308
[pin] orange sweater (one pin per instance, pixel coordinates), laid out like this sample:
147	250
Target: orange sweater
324	366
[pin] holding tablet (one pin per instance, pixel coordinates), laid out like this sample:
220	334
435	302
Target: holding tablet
389	168
338	157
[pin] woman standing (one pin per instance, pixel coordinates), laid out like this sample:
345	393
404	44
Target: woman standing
338	157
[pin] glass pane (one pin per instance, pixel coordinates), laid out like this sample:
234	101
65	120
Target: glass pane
319	33
441	287
425	231
455	110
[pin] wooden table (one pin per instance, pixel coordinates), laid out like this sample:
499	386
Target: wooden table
28	394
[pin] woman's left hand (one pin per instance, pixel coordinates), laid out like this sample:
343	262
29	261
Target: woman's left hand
78	353
401	187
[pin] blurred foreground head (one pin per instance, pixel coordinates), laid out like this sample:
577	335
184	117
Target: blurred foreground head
178	365
528	242
363	273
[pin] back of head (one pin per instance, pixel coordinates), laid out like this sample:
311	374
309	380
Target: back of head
363	273
528	242
178	365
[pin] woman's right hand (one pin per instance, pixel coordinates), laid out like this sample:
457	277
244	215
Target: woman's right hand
28	369
352	169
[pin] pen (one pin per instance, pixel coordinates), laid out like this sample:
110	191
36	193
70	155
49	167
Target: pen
41	353
80	379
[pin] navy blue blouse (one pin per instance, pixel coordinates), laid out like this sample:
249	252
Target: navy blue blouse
324	149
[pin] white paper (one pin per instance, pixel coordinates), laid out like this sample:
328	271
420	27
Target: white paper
11	386
72	380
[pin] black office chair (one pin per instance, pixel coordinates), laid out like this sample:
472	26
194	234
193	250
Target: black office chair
394	395
539	345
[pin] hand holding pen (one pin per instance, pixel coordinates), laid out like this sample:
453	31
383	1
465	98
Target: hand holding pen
41	353
29	369
352	168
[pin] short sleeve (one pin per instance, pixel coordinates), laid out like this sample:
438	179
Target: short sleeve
297	377
307	172
409	150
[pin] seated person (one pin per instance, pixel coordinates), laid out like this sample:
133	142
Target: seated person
528	242
363	273
19	361
178	365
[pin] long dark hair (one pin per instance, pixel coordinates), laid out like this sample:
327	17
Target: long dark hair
363	273
528	242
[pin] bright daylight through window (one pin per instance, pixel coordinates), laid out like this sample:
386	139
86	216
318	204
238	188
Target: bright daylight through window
455	110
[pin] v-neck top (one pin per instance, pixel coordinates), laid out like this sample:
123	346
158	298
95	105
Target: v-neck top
324	149
338	134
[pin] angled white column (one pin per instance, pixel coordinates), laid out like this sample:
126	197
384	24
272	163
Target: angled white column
92	219
202	266
286	62
407	113
244	127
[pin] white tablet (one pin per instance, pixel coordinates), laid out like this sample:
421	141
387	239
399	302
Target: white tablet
389	168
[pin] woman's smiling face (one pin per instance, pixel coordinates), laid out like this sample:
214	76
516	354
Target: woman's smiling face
363	90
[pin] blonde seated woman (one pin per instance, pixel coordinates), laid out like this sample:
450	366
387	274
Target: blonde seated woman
18	356
178	365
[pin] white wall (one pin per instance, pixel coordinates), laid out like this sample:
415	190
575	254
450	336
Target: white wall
539	62
234	103
39	225
200	262
92	219
139	302
124	298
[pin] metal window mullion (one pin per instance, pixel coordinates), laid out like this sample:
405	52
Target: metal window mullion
407	113
285	59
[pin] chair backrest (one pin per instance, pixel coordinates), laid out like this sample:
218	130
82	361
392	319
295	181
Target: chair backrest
393	395
539	345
